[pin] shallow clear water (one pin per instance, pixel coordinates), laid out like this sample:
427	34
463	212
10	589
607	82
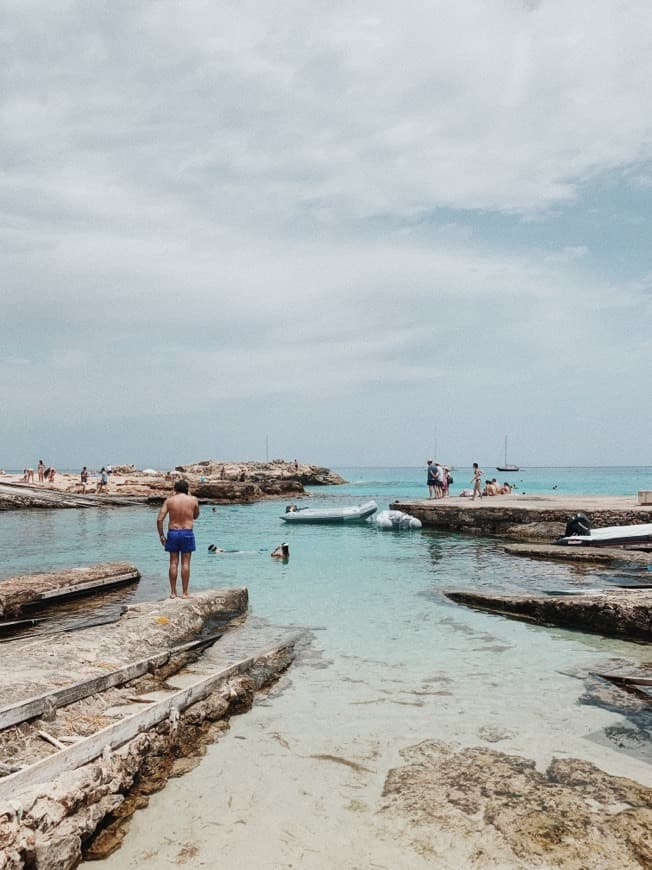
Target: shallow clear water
401	662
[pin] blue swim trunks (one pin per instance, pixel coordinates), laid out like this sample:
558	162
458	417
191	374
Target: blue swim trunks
180	541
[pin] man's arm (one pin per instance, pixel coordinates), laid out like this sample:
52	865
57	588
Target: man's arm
195	512
159	521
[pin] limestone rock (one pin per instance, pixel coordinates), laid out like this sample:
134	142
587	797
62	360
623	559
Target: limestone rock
573	816
614	613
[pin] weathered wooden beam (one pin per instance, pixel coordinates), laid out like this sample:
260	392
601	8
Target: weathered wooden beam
82	588
626	680
116	734
31	590
21	711
15	624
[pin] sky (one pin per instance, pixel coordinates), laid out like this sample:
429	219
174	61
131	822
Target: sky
352	233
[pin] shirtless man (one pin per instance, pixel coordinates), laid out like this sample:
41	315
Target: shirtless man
182	509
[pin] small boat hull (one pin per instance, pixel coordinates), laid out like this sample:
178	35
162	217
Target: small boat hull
507	468
611	536
353	514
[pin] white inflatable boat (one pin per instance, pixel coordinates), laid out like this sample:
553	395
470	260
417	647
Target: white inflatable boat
331	515
395	520
611	536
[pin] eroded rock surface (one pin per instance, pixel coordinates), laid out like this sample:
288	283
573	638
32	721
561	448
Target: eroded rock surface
573	816
31	666
621	613
210	480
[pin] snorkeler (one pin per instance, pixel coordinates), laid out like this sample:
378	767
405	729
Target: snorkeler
281	552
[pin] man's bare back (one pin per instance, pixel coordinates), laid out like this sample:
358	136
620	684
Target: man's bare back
181	509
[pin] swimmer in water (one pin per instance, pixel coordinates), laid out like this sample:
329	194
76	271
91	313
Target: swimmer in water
281	552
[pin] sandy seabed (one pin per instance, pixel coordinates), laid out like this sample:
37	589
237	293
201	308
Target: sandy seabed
379	783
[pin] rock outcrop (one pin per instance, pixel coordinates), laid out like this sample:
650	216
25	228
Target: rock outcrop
525	517
620	613
210	480
508	814
147	627
71	779
261	472
27	590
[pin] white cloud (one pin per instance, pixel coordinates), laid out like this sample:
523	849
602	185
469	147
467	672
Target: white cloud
246	200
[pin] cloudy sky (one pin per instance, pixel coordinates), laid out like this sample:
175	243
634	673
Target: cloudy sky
355	232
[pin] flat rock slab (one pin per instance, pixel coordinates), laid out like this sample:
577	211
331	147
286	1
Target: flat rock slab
30	667
19	593
538	517
508	814
16	495
597	555
615	613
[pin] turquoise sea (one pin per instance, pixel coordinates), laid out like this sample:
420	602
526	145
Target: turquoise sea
397	662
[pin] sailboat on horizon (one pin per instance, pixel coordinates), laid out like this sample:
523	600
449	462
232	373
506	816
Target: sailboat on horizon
507	465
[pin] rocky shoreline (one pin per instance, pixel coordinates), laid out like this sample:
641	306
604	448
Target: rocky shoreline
212	481
71	777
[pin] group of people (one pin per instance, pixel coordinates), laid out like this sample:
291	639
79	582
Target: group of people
439	479
102	482
492	487
45	473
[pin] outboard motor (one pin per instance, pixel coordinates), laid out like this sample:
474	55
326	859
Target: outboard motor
578	524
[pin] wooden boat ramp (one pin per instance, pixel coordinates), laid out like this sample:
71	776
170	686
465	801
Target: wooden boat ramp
97	721
21	595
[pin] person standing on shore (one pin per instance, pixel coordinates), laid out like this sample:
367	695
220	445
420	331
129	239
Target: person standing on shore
182	510
476	480
103	481
431	479
441	479
41	471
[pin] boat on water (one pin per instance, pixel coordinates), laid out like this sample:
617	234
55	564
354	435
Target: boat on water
507	466
611	536
351	514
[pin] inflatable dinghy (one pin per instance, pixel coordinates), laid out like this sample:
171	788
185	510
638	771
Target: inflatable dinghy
331	515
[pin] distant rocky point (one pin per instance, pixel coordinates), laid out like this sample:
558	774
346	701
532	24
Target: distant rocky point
210	480
275	469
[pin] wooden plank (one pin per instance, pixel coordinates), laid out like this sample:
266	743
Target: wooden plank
14	624
626	681
633	585
116	734
13	714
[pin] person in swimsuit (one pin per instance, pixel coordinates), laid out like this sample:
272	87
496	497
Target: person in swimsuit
476	480
182	510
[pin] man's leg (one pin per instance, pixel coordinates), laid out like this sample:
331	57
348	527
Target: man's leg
185	573
174	570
